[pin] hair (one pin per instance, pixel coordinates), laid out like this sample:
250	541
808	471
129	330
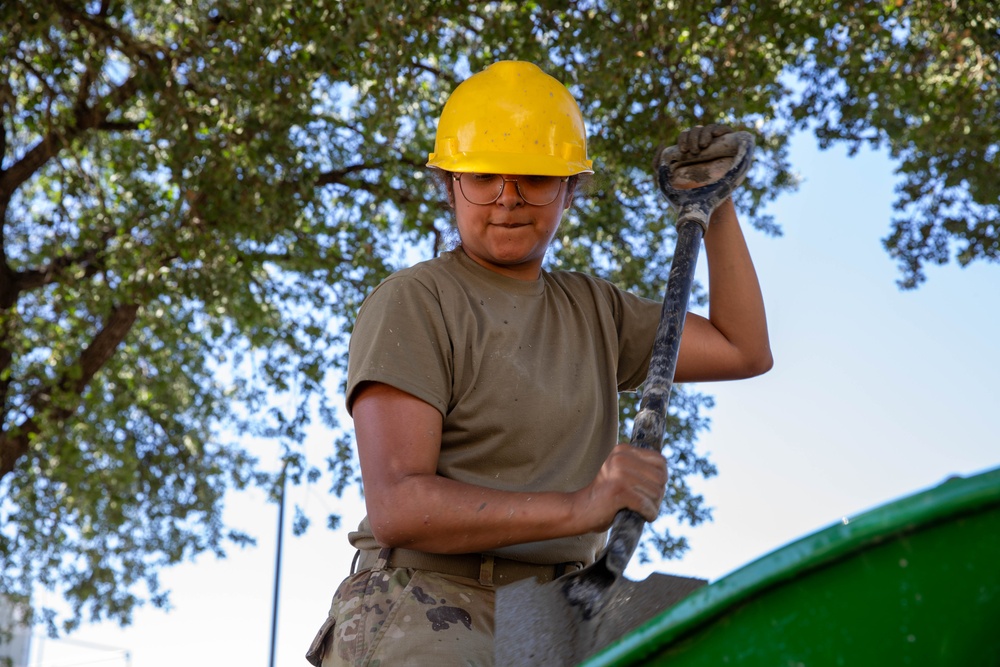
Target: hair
447	185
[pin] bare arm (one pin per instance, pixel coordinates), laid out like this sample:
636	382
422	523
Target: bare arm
732	343
409	505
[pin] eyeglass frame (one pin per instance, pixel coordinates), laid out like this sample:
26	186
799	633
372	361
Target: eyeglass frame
457	176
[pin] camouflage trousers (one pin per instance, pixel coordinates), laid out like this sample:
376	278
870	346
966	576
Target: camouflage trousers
393	617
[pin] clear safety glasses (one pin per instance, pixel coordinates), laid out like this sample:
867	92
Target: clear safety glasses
485	189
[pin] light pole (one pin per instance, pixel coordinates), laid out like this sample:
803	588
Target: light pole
277	564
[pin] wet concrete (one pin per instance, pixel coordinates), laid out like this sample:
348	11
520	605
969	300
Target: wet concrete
537	625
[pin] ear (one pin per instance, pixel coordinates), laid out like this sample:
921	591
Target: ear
570	193
449	187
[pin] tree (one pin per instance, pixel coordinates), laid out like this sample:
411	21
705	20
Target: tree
921	80
195	198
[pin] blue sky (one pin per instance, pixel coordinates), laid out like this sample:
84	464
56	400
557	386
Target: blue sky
875	394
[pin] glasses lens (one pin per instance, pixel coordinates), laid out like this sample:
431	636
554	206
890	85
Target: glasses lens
487	188
539	190
481	188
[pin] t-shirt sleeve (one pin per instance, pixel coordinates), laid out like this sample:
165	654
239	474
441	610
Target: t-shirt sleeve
400	339
637	319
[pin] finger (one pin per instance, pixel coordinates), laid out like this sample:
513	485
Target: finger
710	133
682	140
700	137
652	489
718	129
648	456
648	505
646	464
705	137
650	512
688	140
654	471
645	476
636	477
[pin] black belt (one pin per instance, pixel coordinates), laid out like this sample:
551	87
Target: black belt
488	570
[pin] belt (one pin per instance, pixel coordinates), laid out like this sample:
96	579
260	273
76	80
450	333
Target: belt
487	569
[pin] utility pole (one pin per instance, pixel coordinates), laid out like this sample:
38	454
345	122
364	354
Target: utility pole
277	564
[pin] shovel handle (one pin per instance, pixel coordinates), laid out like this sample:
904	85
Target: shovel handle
695	207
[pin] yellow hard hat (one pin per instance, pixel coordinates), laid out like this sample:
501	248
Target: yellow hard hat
511	118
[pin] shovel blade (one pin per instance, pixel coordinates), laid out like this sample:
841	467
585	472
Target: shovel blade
536	624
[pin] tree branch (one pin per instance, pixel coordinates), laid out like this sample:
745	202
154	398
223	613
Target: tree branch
106	33
35	278
6	357
84	118
101	349
15	443
118	126
336	176
6	98
14	446
397	195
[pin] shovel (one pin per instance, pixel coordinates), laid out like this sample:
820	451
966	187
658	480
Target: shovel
566	620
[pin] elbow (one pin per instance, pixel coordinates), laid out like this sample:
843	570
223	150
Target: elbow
387	538
754	354
399	513
385	541
393	528
759	363
387	533
747	363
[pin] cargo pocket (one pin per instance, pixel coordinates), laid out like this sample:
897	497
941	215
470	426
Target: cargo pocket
317	649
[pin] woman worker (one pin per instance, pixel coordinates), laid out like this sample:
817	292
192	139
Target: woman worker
484	388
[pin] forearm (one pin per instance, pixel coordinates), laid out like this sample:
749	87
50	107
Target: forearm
411	506
733	342
431	513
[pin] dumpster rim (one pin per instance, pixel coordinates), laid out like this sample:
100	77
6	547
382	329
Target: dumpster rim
954	497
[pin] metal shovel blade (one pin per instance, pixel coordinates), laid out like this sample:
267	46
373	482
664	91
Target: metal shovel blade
553	632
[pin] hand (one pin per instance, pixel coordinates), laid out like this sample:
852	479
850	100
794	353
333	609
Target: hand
693	141
631	478
690	172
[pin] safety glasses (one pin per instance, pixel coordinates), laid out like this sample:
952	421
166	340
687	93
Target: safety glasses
483	189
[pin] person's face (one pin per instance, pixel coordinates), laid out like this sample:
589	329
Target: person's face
509	236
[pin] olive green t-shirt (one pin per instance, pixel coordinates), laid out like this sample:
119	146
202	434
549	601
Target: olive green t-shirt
526	375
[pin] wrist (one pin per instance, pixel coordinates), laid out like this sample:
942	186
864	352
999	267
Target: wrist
724	214
581	520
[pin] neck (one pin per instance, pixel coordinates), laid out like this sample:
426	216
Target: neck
527	271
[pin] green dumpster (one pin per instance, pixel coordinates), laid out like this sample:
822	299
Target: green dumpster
913	582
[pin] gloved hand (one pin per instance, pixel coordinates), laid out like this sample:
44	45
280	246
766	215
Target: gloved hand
690	171
694	140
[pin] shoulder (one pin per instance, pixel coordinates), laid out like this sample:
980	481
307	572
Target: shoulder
604	297
426	272
583	285
426	277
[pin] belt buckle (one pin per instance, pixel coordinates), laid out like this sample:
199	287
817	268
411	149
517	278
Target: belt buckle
487	567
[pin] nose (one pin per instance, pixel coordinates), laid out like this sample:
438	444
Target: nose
510	198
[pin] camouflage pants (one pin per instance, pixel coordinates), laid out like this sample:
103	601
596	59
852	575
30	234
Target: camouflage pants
393	617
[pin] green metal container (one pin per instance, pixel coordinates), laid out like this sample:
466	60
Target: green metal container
914	582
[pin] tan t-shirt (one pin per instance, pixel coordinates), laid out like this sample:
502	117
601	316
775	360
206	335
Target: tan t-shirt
526	375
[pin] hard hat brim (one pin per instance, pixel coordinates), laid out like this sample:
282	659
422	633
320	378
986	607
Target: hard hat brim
509	163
